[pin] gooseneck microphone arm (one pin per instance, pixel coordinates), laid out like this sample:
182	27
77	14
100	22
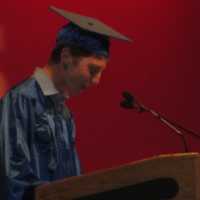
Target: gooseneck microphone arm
168	123
129	102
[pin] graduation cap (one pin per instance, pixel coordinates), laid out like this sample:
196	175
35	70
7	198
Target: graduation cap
86	32
90	24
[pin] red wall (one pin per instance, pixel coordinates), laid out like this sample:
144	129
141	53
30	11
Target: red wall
161	67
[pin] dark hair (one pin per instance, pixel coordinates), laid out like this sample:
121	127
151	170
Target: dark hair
74	50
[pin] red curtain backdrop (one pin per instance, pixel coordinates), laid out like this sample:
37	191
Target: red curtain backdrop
3	84
161	68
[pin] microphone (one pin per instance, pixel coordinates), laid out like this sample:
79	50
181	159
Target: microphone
130	102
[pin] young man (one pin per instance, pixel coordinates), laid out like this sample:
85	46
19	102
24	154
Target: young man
37	132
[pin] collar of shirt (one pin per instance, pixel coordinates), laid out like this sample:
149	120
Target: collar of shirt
46	84
49	90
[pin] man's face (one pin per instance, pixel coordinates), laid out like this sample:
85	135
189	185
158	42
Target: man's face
83	73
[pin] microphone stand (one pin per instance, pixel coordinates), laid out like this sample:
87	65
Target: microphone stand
173	126
131	103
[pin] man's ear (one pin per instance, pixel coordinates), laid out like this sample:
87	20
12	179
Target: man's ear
66	58
65	54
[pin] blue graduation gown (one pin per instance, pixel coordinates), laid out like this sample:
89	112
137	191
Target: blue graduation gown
37	141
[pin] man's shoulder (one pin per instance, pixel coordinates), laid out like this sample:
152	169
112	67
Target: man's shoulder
25	95
28	88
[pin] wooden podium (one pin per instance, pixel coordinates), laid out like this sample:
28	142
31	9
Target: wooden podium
173	176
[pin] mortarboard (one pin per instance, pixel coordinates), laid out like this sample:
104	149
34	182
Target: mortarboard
96	33
90	24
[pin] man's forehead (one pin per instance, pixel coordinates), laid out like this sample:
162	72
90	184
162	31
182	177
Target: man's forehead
95	62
